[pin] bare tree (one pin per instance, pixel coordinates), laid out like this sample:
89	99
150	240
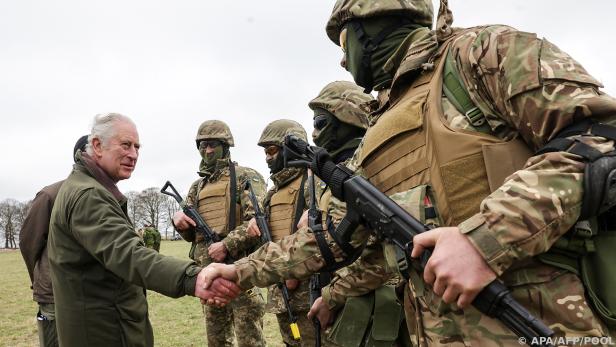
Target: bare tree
133	206
11	219
150	204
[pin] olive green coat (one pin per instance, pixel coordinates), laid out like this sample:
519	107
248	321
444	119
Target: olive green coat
100	267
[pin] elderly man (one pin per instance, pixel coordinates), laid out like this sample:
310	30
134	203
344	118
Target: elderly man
100	268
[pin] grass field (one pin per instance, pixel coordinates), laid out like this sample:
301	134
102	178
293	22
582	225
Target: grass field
176	322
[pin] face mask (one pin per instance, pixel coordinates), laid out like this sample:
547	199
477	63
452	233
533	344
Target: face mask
325	127
275	163
210	159
369	45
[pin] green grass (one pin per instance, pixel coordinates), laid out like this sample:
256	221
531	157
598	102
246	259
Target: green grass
176	322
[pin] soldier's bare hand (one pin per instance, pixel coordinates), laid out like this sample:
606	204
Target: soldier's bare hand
291	284
253	228
182	222
456	270
303	220
321	311
219	293
217	251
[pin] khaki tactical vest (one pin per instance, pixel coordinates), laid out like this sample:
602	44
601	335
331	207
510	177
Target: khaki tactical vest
411	145
214	205
282	213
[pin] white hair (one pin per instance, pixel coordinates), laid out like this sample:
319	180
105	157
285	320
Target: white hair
102	128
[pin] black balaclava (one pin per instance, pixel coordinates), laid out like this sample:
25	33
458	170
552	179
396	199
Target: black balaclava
369	44
276	164
335	136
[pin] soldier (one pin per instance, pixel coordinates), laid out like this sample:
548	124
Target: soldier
33	247
461	111
151	238
220	199
284	205
99	267
341	112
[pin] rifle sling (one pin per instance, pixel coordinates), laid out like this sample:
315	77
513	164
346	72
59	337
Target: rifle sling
233	193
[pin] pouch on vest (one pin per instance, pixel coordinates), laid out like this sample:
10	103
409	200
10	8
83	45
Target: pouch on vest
589	249
371	320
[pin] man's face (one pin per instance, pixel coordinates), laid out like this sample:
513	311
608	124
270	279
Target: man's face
118	156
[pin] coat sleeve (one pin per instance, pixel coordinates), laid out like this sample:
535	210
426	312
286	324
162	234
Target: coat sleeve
34	230
99	224
366	274
528	87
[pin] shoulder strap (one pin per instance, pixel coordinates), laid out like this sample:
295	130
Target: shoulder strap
456	93
233	191
300	203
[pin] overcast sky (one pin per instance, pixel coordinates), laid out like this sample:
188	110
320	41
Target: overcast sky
170	65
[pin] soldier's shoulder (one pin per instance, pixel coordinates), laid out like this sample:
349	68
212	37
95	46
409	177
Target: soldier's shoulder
244	172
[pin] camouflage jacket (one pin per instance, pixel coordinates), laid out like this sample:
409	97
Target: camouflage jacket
237	242
526	87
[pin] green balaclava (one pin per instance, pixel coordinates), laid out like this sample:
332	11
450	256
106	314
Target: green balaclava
334	135
370	43
209	160
276	164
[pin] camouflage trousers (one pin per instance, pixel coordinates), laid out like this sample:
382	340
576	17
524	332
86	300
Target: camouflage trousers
559	302
306	329
46	321
243	317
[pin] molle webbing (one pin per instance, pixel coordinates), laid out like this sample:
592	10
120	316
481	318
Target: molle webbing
424	150
214	205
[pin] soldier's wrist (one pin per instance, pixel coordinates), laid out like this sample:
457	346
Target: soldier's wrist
330	300
496	255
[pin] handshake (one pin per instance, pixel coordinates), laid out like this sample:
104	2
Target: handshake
216	284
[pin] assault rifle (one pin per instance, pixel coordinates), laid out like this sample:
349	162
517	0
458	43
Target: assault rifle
367	206
208	234
318	280
266	236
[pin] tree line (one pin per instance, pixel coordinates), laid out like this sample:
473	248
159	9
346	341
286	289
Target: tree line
148	207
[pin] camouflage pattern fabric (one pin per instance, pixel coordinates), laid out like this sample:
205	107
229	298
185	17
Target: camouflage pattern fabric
244	315
237	242
151	238
526	87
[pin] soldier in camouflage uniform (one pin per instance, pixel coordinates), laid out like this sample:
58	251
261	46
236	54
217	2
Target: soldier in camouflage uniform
283	205
503	207
341	118
220	199
151	238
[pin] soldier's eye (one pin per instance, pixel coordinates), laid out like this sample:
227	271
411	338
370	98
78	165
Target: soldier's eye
320	122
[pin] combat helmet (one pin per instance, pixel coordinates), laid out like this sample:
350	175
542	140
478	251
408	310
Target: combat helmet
419	11
345	101
274	132
214	130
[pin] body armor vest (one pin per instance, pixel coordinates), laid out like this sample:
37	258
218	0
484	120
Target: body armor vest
412	145
214	205
282	212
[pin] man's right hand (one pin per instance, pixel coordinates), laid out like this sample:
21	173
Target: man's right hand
253	228
182	222
220	281
321	311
